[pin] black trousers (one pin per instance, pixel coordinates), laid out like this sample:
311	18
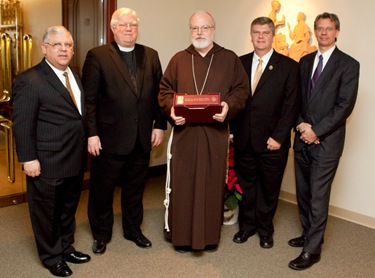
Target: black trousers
108	171
260	176
314	177
53	204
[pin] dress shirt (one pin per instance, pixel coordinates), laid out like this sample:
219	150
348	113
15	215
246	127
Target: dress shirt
73	84
256	58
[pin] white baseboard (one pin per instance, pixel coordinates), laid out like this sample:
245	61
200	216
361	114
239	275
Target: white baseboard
336	212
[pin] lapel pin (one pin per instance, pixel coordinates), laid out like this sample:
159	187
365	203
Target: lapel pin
270	67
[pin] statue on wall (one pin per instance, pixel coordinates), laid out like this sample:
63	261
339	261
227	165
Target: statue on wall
275	5
300	36
279	42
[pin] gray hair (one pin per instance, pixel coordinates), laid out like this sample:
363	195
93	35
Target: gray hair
55	30
120	13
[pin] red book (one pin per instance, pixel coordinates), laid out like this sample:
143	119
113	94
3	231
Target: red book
197	108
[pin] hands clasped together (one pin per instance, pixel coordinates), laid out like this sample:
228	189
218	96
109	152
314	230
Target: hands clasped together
307	134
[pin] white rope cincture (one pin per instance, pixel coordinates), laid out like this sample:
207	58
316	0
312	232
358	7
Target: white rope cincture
168	181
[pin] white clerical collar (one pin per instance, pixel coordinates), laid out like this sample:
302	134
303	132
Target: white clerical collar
125	49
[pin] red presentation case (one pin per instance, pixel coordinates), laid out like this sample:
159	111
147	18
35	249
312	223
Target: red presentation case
197	108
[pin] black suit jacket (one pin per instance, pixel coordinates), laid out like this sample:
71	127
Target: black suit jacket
116	111
47	125
332	101
272	110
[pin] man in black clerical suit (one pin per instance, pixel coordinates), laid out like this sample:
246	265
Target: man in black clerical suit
262	132
121	81
329	85
48	118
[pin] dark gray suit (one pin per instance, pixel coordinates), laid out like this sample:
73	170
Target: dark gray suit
48	127
270	112
330	104
122	111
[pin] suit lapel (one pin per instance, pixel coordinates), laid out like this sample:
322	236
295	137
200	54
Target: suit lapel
247	65
56	83
59	87
308	67
120	64
79	83
141	65
326	73
271	66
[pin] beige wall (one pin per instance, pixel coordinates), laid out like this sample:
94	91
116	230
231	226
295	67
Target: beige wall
164	26
37	16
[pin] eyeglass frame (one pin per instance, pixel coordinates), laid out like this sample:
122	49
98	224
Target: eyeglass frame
204	28
59	45
326	29
123	26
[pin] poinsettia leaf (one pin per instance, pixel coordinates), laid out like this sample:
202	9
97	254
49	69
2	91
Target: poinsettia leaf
238	196
231	202
238	188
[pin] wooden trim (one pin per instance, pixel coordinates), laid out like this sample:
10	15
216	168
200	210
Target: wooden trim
111	7
341	213
14	199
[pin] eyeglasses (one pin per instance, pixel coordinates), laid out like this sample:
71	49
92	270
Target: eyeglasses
59	45
205	28
327	29
123	26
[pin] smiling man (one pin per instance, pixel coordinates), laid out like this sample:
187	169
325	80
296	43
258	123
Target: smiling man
261	133
329	87
48	118
121	80
199	151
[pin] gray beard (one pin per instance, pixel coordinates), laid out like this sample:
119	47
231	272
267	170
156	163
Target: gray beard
201	44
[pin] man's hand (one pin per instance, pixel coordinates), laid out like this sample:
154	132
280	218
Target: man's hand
224	111
272	144
94	146
157	137
307	134
32	169
178	120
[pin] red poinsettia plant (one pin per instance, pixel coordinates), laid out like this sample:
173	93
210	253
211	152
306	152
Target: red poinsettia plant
233	191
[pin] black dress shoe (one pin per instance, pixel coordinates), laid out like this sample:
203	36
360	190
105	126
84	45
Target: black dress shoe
140	240
61	269
297	242
304	260
266	241
242	236
99	247
211	248
76	257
